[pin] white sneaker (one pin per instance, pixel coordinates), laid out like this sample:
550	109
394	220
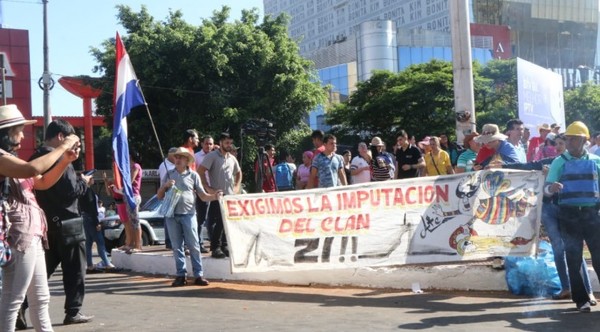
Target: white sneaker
101	266
586	307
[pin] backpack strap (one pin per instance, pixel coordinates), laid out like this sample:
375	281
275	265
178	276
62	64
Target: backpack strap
434	165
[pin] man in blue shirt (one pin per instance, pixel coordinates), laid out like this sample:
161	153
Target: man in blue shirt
515	129
574	176
504	152
327	166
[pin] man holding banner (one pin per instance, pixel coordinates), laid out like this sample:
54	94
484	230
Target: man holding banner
224	174
182	226
574	176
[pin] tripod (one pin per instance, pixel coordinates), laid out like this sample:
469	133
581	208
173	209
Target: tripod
260	175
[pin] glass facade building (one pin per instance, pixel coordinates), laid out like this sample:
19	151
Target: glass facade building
561	35
558	34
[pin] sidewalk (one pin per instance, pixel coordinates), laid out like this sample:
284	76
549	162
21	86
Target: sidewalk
478	276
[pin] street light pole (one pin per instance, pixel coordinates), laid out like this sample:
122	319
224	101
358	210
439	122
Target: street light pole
464	99
46	82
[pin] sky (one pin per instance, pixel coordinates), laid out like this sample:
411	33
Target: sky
76	25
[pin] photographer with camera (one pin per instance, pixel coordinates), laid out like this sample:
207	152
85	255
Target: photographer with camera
60	204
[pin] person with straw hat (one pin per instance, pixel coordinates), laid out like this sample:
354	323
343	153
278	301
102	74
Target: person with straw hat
502	152
383	163
182	225
26	272
535	142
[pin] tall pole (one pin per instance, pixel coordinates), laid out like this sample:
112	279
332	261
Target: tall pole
3	73
46	83
462	68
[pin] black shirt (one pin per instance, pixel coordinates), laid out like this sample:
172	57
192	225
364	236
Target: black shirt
60	200
410	156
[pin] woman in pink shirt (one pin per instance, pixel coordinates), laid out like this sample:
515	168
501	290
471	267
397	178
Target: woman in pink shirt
25	273
303	172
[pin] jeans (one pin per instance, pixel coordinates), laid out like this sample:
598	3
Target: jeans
184	228
93	235
167	237
24	275
578	225
550	222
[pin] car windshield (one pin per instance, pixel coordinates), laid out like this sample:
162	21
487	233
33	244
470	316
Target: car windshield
153	204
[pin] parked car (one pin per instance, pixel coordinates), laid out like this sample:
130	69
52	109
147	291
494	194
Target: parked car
152	223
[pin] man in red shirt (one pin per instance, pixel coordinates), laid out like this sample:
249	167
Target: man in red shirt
535	142
268	163
190	142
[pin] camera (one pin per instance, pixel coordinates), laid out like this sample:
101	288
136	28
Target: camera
260	129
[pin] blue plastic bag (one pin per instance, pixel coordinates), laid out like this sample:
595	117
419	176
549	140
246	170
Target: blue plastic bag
533	276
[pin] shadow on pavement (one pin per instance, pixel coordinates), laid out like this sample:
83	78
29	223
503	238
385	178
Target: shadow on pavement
391	308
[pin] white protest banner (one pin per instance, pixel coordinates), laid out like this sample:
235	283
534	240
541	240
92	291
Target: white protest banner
459	217
540	96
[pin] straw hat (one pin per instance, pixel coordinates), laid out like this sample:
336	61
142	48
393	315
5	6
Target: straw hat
376	141
10	116
183	152
424	142
490	133
544	126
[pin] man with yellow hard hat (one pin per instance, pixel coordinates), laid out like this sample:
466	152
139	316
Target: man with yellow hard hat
574	176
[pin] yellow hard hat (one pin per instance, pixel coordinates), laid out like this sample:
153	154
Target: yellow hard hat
578	128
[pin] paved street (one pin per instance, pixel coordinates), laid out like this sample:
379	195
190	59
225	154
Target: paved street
128	302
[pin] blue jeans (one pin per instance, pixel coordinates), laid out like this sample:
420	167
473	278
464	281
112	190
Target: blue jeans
550	222
167	237
578	225
93	235
184	228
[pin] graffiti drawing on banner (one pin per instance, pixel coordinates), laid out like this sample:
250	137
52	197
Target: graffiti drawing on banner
501	203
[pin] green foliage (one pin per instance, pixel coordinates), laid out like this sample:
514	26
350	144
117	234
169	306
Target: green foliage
582	104
420	100
387	102
496	98
296	141
213	77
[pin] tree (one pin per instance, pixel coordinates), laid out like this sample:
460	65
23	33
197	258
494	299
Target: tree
420	100
496	101
582	104
213	77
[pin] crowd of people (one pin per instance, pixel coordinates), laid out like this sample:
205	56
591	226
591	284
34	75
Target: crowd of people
46	197
571	204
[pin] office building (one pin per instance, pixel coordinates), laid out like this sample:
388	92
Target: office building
347	39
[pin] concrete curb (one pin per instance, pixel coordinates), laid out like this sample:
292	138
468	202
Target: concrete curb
448	277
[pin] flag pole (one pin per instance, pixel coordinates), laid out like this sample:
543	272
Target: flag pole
162	155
